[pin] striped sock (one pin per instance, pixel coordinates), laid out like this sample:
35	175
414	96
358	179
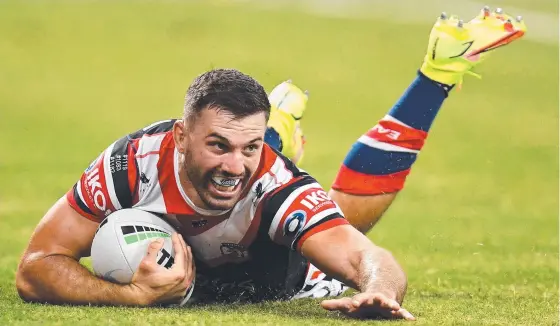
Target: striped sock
380	160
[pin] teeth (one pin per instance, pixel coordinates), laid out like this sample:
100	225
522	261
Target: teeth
225	182
519	19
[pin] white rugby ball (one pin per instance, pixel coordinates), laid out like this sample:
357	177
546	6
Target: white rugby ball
121	242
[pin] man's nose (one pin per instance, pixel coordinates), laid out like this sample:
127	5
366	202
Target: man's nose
233	164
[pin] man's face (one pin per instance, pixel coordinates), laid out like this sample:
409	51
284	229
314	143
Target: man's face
220	156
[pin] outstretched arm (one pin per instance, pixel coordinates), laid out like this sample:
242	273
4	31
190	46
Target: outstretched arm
346	254
352	258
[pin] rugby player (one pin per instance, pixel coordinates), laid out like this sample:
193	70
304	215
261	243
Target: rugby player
257	226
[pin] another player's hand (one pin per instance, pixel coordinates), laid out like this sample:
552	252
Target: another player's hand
154	284
368	305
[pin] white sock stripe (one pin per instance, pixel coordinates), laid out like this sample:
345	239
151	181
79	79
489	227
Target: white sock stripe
384	146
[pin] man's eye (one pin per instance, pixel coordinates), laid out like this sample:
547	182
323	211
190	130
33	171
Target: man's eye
219	146
252	148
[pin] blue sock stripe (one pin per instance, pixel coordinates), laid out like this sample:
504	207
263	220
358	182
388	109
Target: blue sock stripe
272	138
374	161
420	103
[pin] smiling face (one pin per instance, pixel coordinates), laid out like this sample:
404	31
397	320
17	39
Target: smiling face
220	137
220	154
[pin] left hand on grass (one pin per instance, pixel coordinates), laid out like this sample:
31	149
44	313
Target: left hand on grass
368	305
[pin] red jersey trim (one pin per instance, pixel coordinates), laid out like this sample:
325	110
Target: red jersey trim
72	202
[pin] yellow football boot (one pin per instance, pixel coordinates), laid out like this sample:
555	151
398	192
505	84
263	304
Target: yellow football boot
288	104
455	47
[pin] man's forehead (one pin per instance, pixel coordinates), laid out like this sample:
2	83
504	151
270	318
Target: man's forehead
223	123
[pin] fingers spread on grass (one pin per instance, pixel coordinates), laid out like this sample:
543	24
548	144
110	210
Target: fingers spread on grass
343	304
402	314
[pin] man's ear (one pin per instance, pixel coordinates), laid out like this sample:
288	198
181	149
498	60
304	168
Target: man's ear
179	135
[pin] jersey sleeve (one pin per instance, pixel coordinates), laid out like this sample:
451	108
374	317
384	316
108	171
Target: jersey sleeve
108	184
298	210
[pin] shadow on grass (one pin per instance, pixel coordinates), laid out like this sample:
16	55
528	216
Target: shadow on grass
302	309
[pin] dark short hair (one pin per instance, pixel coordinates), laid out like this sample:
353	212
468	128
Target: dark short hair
226	89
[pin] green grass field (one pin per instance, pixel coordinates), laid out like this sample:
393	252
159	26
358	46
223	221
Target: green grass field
476	228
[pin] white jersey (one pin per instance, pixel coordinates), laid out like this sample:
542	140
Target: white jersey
281	207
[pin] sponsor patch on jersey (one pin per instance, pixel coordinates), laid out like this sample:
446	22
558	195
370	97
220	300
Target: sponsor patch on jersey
294	222
94	189
316	199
